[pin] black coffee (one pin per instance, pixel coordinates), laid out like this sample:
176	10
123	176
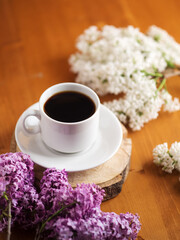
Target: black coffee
69	107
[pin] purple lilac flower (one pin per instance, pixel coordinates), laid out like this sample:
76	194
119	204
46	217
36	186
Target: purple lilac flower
65	213
64	229
14	164
54	178
89	198
109	226
27	208
83	220
55	190
102	226
17	179
123	226
2	185
91	228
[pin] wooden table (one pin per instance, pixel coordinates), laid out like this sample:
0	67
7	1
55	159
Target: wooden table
36	40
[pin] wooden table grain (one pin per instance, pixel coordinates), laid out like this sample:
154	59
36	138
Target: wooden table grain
36	40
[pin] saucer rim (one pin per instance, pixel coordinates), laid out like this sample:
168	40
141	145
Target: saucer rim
71	170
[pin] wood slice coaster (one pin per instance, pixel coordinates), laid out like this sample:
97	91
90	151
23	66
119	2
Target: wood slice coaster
110	175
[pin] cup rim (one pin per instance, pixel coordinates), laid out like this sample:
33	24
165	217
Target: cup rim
41	108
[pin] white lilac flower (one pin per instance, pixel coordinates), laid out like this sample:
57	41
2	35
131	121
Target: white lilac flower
168	164
115	60
167	43
169	159
160	152
170	104
175	153
162	157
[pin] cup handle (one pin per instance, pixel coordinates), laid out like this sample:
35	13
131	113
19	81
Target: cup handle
29	125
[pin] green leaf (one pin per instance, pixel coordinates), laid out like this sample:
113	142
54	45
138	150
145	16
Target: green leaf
157	38
170	154
140	113
138	40
170	64
121	112
104	81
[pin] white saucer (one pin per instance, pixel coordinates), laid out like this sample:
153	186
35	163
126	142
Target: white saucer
106	145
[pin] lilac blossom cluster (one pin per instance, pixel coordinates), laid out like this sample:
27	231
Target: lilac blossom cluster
57	210
17	185
115	60
83	219
168	159
102	225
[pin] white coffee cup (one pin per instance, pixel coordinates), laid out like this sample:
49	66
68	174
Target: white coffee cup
67	137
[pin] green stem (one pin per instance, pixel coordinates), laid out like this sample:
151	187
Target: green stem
157	74
7	215
4	213
9	220
162	84
51	217
5	196
37	232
